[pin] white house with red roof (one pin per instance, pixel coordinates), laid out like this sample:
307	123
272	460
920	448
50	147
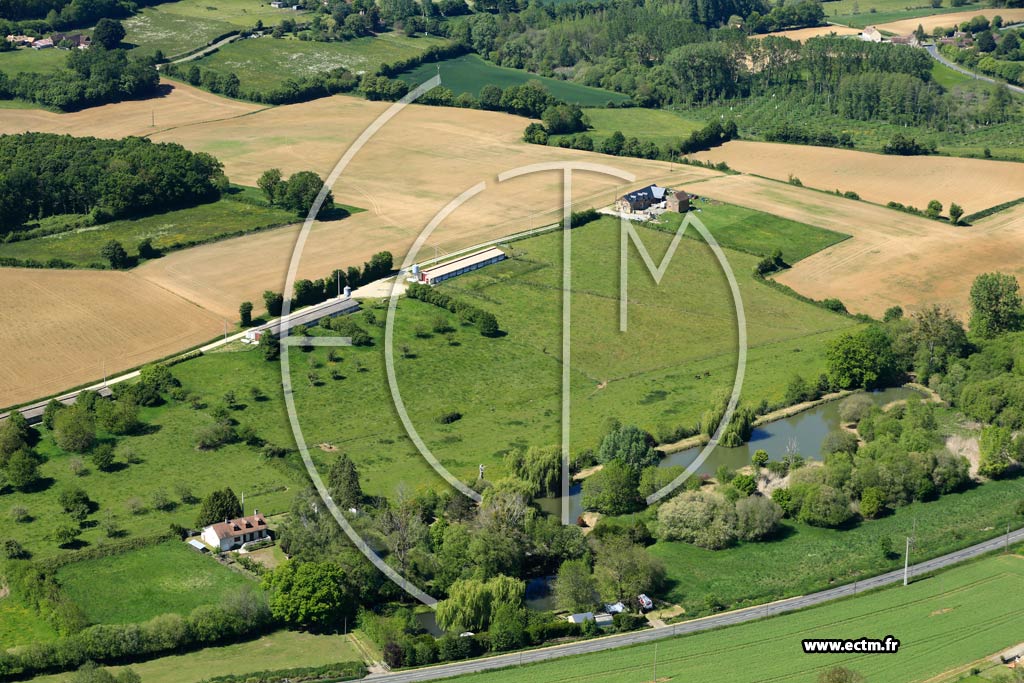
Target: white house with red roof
234	533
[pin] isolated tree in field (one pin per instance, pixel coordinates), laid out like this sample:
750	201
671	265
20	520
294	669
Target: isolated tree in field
301	192
22	469
934	209
115	254
575	587
217	507
75	503
102	456
995	305
343	483
270	184
74	429
311	595
245	313
66	533
273	301
892	313
955	213
108	33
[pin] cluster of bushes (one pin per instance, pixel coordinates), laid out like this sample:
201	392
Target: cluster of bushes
770	264
92	77
240	616
485	321
47	174
908	146
298	193
797	15
802	135
716	520
342	671
902	460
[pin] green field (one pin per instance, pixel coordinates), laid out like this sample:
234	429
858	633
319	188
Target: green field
141	584
281	650
942	622
470	73
266	63
20	625
25	59
163	456
810	558
182	26
170	230
659	126
863	13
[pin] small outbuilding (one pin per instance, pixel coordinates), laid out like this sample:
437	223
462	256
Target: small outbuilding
581	617
461	265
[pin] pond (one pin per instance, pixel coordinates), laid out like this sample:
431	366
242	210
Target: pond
802	433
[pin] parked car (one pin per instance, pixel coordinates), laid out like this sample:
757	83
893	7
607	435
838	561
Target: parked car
646	604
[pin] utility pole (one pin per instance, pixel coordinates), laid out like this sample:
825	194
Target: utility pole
906	562
337	277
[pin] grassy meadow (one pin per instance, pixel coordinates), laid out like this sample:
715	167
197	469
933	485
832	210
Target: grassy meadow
266	63
280	650
470	73
182	26
659	126
144	583
956	616
171	230
25	59
806	558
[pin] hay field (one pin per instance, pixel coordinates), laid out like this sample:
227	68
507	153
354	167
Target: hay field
974	184
442	152
802	34
182	105
905	26
62	328
894	258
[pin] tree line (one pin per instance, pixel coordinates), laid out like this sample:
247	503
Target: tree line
90	78
45	174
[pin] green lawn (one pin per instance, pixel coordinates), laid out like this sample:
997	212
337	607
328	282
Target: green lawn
659	126
752	231
266	63
281	650
941	622
470	73
25	59
141	584
859	14
170	230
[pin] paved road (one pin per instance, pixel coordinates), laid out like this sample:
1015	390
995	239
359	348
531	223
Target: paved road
936	55
697	625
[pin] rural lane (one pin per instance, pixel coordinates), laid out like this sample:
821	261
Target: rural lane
937	56
208	49
697	625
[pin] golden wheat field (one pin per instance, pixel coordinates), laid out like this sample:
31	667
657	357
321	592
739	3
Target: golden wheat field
905	26
974	184
894	258
802	34
63	328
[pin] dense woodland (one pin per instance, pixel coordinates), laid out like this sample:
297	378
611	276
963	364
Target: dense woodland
44	174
